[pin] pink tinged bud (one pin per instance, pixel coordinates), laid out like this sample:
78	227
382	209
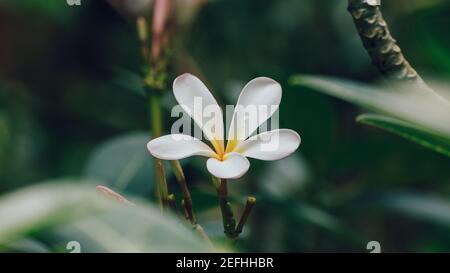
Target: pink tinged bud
112	194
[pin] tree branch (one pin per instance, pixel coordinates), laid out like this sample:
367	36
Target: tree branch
229	223
383	49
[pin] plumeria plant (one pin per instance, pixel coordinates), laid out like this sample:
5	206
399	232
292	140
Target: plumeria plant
353	188
227	152
228	160
258	101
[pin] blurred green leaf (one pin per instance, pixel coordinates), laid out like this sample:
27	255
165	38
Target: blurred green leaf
204	199
318	217
34	207
129	80
27	245
306	213
416	105
434	41
408	131
284	178
428	208
123	164
67	211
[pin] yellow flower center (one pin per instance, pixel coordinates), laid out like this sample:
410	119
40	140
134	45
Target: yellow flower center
218	148
231	145
221	153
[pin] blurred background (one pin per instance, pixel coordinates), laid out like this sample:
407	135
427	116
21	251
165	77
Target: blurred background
71	109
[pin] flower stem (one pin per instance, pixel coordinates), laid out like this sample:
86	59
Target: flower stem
187	200
156	131
155	81
172	203
161	183
155	115
229	223
248	208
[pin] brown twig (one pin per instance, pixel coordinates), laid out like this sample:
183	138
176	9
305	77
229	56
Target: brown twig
229	223
248	208
172	203
187	200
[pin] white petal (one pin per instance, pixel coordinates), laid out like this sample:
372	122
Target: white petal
178	146
261	94
233	167
190	91
271	145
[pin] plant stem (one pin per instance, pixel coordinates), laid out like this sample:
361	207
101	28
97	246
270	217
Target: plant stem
187	200
248	208
155	115
172	203
155	81
156	130
229	223
142	31
386	55
161	181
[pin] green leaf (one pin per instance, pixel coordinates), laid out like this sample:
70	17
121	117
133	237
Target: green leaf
319	218
27	245
433	39
68	210
291	175
423	207
123	164
34	207
315	216
419	106
408	131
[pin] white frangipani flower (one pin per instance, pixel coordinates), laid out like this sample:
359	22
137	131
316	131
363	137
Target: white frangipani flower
230	160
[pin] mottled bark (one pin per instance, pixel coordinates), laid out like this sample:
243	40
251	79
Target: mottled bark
383	49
